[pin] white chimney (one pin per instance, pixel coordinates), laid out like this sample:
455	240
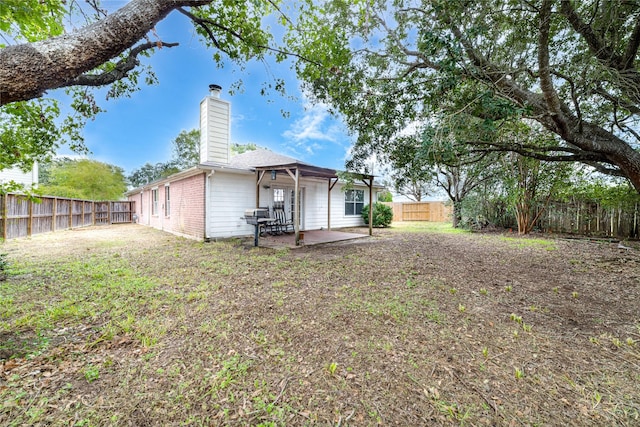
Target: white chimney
215	130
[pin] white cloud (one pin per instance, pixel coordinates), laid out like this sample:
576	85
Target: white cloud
313	128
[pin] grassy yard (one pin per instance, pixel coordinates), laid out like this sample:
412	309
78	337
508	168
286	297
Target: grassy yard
419	325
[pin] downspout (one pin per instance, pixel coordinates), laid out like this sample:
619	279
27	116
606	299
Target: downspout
206	205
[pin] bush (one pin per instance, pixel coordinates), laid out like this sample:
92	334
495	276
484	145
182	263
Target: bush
382	215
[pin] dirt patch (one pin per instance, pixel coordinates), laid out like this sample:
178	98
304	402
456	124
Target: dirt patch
130	326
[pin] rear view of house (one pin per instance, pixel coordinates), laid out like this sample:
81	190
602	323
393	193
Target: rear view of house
209	200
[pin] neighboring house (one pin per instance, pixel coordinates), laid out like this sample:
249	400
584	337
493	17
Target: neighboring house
28	179
209	200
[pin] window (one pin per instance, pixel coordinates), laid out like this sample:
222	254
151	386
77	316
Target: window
353	202
278	198
167	201
154	201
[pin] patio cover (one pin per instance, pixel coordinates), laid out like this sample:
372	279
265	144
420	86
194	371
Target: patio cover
265	161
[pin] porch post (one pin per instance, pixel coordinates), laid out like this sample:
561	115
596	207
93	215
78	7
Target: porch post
371	205
296	207
329	205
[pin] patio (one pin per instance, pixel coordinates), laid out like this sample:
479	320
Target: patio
311	237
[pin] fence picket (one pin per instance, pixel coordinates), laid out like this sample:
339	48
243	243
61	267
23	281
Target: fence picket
20	217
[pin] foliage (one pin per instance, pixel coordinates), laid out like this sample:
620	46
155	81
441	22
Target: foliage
85	179
243	148
4	265
382	215
572	67
33	126
385	196
186	149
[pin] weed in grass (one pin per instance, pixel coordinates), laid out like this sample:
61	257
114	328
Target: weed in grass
483	291
91	373
485	352
555	289
518	373
514	317
461	308
574	294
630	342
508	288
616	341
4	267
411	283
525	327
332	368
594	340
453	291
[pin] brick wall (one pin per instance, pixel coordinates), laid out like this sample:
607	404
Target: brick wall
186	206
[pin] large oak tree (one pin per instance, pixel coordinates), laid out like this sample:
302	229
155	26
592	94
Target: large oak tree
572	66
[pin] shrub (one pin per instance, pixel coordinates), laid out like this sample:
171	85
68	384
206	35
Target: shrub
382	215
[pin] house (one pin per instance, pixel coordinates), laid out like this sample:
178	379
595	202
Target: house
28	179
209	200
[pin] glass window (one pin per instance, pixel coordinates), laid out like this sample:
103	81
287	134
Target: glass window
154	201
167	201
278	198
353	202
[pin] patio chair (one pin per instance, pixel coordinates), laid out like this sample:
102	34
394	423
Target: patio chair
282	222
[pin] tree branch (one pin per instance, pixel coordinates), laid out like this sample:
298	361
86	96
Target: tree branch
121	69
28	70
204	23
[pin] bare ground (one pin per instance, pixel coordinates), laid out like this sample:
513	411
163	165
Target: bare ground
126	325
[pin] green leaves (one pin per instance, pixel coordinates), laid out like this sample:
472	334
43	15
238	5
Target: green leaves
85	179
31	20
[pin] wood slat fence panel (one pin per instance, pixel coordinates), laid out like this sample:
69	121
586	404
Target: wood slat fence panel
420	211
21	217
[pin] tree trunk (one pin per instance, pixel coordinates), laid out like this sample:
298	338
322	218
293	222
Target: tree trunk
457	213
28	70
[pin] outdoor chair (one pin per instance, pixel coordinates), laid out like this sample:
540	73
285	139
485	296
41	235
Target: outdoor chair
282	222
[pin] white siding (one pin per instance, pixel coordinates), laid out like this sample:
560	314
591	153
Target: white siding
338	218
215	133
16	174
229	195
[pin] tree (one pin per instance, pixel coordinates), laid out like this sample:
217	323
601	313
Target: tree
85	179
105	51
571	66
186	149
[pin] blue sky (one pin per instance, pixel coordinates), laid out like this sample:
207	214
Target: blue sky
137	130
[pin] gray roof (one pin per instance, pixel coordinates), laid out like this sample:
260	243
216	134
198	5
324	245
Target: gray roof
260	158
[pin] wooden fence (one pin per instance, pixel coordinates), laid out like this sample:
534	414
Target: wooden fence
420	211
21	217
591	219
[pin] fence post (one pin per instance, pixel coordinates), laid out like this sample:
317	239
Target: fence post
109	212
70	214
54	214
5	214
30	219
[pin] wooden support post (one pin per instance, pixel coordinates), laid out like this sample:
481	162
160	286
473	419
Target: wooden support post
109	209
296	207
329	205
70	213
371	205
331	185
